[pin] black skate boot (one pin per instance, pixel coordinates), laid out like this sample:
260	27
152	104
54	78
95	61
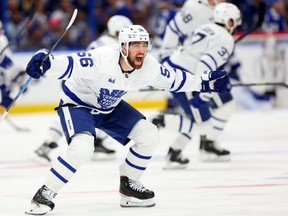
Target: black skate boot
42	203
134	194
41	155
210	152
101	152
174	160
159	121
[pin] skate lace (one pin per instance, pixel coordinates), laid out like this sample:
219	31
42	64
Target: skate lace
137	185
48	194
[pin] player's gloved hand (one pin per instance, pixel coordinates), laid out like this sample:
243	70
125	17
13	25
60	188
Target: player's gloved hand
199	99
216	81
5	62
5	99
35	67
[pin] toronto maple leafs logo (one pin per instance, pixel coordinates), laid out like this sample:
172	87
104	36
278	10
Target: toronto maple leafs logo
106	98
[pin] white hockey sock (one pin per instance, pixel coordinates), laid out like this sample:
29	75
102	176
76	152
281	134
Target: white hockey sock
180	143
78	152
146	137
219	120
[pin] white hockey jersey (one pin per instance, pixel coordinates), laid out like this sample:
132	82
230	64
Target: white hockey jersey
208	50
3	43
104	40
94	79
192	15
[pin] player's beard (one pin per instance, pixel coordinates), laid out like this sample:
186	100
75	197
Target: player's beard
133	64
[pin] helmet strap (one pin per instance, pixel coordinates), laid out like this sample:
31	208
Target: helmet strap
126	56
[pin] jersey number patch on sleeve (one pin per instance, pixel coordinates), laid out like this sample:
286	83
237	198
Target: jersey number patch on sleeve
165	72
84	60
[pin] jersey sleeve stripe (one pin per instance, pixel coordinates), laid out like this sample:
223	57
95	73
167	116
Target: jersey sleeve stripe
206	64
176	29
182	82
69	68
73	97
213	59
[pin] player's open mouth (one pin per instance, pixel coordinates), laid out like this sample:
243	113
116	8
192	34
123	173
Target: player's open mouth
139	59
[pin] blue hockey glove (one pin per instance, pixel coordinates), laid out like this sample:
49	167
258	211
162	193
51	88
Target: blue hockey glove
200	106
5	99
199	99
217	81
34	68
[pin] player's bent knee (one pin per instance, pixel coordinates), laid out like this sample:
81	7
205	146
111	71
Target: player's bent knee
145	132
81	148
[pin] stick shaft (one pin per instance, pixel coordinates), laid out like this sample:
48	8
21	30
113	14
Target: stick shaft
30	78
261	14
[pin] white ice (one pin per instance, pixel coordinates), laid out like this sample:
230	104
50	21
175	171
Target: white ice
254	183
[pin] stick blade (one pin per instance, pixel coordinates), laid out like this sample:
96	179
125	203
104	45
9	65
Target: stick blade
72	19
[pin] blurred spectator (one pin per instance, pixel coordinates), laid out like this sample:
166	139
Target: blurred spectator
52	16
275	16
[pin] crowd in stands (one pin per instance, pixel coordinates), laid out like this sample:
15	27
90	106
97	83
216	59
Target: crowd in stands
51	17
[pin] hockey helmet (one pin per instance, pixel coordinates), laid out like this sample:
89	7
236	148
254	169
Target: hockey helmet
224	12
208	2
116	23
131	33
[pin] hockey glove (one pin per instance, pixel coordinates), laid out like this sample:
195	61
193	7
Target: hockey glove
216	81
35	67
5	99
199	99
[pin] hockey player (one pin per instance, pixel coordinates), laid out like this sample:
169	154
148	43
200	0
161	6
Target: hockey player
96	81
11	76
193	14
42	154
178	32
210	48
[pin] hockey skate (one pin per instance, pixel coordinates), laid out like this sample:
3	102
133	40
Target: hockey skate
42	203
159	121
101	152
134	194
41	155
210	152
174	160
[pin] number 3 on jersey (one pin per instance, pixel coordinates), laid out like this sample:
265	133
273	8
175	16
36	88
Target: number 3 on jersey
84	60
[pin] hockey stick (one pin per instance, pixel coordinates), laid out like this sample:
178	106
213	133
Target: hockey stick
261	84
261	14
28	20
16	127
282	84
47	55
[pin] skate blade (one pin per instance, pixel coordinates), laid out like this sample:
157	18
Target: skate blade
38	209
132	202
207	157
174	166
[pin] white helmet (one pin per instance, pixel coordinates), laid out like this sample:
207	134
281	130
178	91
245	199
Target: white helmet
223	12
206	2
132	33
116	23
